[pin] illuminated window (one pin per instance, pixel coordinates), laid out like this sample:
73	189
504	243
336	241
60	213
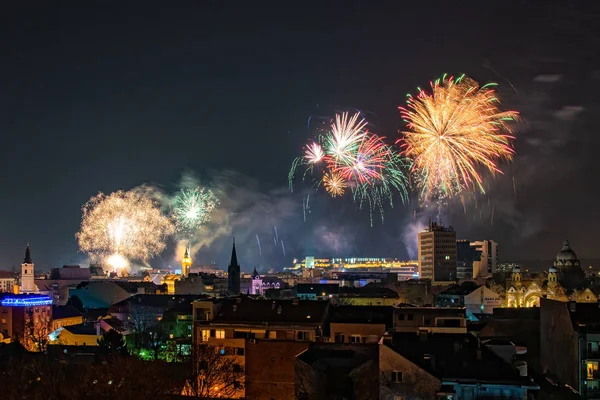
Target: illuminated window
205	335
396	376
592	369
220	334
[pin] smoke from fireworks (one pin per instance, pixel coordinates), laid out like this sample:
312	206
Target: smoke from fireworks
452	131
349	156
192	208
122	226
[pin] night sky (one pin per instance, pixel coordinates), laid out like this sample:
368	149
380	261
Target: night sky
101	97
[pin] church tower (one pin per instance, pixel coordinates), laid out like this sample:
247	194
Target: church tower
186	264
233	271
27	273
256	283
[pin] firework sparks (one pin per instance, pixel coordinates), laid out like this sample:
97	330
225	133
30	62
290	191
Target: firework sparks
258	242
452	131
349	156
334	184
122	226
192	208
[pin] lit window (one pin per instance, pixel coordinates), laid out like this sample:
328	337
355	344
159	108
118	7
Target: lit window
220	334
592	369
205	335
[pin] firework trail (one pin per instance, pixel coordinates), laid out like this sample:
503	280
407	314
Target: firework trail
258	242
348	156
276	234
192	208
283	248
451	132
122	226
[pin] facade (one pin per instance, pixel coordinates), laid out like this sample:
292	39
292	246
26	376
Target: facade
236	323
7	282
437	253
442	366
468	260
477	299
233	273
26	318
570	337
186	263
410	319
359	324
317	291
489	257
370	295
566	282
28	274
75	335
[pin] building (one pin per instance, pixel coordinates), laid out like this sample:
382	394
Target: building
186	264
477	299
7	282
60	280
28	274
105	293
468	260
360	324
442	366
243	325
489	257
570	337
411	319
370	295
65	316
437	253
565	282
202	283
233	273
26	318
86	334
334	371
317	291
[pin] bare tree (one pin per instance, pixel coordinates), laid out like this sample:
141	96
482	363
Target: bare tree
215	373
36	329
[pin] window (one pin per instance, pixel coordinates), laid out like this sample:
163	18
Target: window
339	337
426	321
401	317
220	334
205	335
272	334
355	339
303	335
396	376
411	317
592	369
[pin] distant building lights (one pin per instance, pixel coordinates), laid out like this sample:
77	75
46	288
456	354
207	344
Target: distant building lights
27	301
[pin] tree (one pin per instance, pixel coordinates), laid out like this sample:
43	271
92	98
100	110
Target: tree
112	343
36	329
76	303
215	373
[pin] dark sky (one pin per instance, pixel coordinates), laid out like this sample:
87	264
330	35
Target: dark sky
112	95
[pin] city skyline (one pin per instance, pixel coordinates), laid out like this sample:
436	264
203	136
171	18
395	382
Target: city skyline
235	97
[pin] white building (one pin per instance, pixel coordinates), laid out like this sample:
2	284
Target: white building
7	282
27	274
489	258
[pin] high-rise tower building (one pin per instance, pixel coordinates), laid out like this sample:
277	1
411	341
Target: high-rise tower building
27	273
233	271
186	263
437	253
489	257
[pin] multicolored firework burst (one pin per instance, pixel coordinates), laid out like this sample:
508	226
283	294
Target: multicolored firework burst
192	208
122	226
349	156
452	131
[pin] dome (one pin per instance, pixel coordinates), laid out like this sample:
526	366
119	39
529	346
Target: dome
566	253
516	270
552	270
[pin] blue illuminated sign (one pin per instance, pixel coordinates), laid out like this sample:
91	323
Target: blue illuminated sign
27	301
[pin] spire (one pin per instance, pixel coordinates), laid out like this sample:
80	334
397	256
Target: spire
27	259
255	274
186	255
234	261
566	245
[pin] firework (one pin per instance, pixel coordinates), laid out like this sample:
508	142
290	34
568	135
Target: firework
192	208
452	131
349	156
334	184
122	226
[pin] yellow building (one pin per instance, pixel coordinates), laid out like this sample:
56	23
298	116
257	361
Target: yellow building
75	335
65	316
186	264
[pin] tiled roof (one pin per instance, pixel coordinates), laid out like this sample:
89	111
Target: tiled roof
245	309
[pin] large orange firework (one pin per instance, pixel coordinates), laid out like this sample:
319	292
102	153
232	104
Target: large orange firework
453	131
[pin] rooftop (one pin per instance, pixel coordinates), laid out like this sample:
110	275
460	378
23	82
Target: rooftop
245	309
455	357
159	300
345	357
363	315
463	289
59	312
81	329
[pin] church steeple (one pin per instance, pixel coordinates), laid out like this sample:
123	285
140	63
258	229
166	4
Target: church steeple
233	272
27	259
186	263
